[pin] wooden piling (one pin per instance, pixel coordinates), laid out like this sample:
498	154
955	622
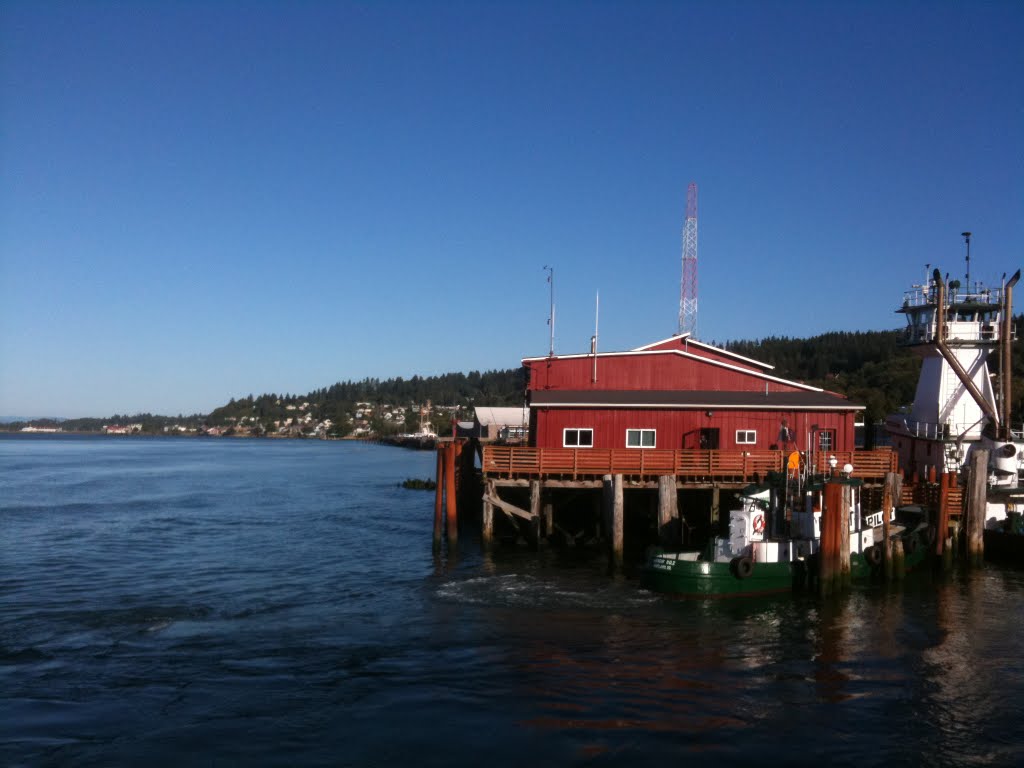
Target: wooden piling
829	565
439	498
617	527
487	525
890	496
603	509
899	563
548	515
668	512
452	522
977	498
536	532
943	546
846	501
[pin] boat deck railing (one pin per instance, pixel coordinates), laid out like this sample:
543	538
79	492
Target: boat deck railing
695	465
929	430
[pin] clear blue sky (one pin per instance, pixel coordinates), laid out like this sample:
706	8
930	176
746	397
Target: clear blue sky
206	200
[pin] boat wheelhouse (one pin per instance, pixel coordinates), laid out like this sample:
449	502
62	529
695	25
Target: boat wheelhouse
959	401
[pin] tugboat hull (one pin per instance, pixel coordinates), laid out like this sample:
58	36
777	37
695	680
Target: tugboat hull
671	574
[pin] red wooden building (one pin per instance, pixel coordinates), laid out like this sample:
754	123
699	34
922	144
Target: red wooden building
680	393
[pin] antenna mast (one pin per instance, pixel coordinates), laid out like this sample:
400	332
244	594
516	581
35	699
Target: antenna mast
551	316
967	236
688	286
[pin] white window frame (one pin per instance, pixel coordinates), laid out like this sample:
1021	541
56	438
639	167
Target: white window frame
749	437
828	435
578	431
641	434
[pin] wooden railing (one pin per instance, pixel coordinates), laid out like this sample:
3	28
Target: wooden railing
515	461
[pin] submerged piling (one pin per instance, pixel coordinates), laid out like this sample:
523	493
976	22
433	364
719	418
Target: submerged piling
899	565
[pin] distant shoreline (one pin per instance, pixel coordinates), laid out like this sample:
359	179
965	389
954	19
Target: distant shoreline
413	442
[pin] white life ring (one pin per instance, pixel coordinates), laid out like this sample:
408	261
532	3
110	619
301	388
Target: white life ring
758	523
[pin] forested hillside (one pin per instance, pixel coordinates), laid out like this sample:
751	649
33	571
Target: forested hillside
870	367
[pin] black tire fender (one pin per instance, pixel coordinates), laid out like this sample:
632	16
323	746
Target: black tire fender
742	567
873	555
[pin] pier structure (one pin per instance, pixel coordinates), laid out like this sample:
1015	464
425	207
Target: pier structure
631	499
656	437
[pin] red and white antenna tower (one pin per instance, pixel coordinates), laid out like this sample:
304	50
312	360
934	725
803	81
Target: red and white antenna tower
688	286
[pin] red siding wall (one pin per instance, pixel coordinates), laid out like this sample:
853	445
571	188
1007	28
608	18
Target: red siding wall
634	372
681	429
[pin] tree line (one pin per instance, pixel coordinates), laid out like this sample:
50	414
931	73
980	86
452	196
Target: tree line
872	368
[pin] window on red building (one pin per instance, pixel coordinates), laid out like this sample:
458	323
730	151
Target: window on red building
575	437
827	440
640	438
746	436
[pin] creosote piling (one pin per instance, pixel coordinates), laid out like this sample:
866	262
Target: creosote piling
975	506
834	554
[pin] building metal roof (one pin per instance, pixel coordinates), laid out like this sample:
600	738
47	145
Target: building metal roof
648	349
695	399
502	417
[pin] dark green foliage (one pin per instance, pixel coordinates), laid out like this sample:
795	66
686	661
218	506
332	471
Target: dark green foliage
872	368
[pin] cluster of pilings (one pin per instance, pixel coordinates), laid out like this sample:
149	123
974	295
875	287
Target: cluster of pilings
459	486
834	552
959	522
456	480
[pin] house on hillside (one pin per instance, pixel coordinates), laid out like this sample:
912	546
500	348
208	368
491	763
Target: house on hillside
680	393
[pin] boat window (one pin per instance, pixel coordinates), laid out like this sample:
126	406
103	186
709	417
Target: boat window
746	436
640	438
577	438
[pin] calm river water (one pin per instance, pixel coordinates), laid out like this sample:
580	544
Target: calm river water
218	602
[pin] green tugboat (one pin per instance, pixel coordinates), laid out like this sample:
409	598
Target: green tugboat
767	552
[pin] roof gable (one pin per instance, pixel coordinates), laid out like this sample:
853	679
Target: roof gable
686	342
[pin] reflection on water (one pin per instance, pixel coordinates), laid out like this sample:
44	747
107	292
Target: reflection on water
267	603
860	677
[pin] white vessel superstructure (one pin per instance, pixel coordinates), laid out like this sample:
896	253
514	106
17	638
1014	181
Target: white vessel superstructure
960	400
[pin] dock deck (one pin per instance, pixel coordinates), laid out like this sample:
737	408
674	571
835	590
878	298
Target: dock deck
686	465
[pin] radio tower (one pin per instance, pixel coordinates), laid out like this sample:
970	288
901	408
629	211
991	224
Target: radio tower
688	286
